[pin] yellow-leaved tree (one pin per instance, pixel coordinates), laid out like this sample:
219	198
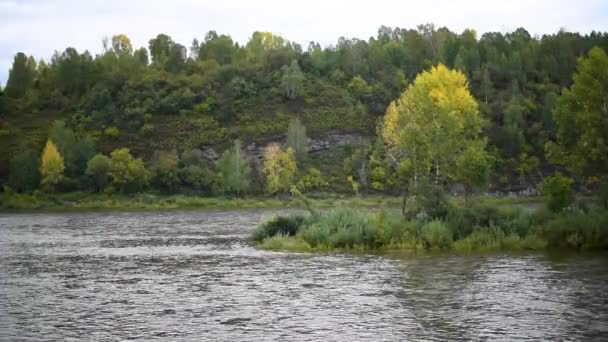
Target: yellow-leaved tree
279	168
51	166
433	122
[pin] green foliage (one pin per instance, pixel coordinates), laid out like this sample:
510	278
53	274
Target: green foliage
279	226
558	193
340	228
578	230
581	118
234	170
112	132
21	76
435	234
431	200
312	180
292	80
296	139
472	167
199	178
222	90
164	170
98	168
128	173
24	172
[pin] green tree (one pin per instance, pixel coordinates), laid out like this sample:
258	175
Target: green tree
292	80
581	118
164	170
98	168
24	171
128	173
473	167
76	152
434	120
279	168
557	190
296	139
51	166
20	76
234	170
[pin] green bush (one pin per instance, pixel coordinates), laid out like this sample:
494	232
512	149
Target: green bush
558	192
577	230
280	225
432	200
392	231
112	132
340	228
435	234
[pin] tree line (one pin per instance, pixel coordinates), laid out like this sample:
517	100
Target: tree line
225	91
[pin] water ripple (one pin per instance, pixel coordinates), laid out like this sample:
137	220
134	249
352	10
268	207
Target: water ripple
192	276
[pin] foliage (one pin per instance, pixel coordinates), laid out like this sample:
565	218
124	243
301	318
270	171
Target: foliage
296	139
234	170
98	168
128	173
164	169
432	122
24	172
51	166
112	132
431	200
312	180
21	76
280	225
558	193
581	118
292	80
435	234
219	90
279	168
472	167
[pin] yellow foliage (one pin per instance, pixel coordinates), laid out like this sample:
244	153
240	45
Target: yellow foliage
279	168
429	124
52	166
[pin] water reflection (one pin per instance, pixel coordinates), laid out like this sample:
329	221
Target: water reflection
191	276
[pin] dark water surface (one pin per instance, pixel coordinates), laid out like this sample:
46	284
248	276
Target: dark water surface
192	276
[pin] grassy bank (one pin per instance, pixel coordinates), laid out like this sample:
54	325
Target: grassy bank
144	201
486	227
76	201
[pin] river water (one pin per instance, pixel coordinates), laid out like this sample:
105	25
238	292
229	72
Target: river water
192	276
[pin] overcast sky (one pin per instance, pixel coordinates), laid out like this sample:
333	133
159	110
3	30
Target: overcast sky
39	27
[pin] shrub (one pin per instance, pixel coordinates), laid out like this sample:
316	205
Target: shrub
112	132
24	171
435	234
280	225
393	231
147	129
578	230
432	200
340	228
558	192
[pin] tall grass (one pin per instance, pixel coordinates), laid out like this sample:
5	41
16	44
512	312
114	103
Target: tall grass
480	229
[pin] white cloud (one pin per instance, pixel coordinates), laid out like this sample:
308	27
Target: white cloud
38	27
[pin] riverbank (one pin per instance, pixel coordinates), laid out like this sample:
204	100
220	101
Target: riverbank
77	201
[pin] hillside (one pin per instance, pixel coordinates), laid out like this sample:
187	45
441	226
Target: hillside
170	98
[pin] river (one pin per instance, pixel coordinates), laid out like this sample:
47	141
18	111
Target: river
193	276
